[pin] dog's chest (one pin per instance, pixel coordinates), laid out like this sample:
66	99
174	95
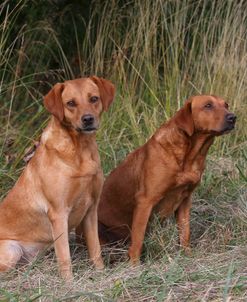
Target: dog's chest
72	183
86	182
194	164
86	193
85	168
189	177
186	181
84	179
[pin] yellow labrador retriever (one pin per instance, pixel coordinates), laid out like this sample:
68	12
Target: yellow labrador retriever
60	187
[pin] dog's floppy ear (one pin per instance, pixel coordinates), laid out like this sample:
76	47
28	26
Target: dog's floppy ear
53	101
184	120
106	89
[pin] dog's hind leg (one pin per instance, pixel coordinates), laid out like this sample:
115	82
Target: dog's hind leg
10	253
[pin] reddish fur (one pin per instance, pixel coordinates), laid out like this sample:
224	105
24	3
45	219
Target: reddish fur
161	175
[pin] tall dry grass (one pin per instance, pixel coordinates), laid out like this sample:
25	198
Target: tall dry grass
157	53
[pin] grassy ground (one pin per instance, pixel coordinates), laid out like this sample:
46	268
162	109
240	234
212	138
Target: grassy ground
157	53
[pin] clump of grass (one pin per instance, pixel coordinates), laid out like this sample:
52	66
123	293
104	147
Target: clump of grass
157	53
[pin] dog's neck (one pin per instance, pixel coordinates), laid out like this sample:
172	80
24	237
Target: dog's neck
198	147
182	146
66	139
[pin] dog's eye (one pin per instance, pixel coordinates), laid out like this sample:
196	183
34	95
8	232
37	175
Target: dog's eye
71	103
208	106
226	106
94	99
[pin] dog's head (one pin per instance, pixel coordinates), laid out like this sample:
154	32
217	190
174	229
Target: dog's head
79	103
206	114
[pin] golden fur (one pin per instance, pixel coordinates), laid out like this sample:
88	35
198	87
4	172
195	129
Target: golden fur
60	187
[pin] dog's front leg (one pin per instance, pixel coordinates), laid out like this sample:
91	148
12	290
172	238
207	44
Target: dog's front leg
140	219
59	222
183	223
90	231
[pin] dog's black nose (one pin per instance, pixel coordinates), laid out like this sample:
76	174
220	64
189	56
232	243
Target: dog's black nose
87	120
231	118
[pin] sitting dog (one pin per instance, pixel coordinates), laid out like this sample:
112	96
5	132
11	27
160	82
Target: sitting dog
162	174
60	187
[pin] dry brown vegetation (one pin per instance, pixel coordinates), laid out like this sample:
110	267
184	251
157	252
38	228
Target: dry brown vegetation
157	53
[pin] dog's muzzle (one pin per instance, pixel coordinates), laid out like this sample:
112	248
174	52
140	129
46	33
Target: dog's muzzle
88	123
230	121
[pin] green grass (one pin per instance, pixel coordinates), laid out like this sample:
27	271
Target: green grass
157	53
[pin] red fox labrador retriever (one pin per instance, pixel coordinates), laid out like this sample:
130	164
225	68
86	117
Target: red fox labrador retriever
162	174
60	187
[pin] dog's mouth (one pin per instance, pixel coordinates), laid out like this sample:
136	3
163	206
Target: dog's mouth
228	128
89	129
